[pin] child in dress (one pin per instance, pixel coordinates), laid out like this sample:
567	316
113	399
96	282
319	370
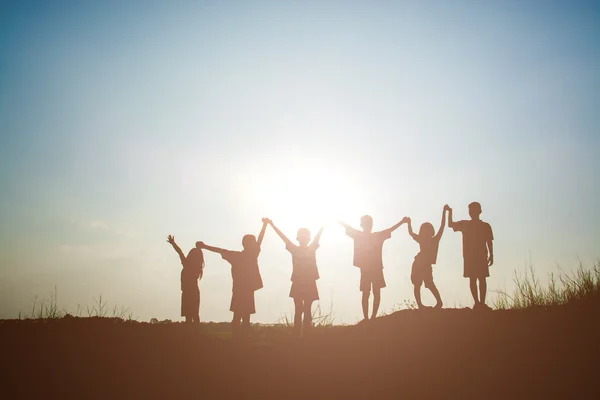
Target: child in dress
246	277
193	266
304	275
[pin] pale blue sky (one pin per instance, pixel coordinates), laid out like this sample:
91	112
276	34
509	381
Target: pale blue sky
120	124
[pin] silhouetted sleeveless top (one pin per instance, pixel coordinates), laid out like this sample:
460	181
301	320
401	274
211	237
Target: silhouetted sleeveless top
304	262
429	250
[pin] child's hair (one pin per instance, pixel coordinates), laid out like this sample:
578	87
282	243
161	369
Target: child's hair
366	220
426	230
303	235
196	257
474	210
249	242
475	206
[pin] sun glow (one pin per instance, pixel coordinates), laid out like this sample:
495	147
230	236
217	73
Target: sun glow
308	195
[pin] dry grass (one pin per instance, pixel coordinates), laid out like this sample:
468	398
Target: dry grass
580	286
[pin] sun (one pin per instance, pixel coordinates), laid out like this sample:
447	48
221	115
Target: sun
309	195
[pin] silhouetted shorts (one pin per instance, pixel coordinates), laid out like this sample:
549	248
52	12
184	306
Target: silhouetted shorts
421	273
242	302
304	291
371	277
477	269
190	302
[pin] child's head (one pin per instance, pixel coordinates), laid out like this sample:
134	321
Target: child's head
474	210
426	230
303	236
366	223
249	242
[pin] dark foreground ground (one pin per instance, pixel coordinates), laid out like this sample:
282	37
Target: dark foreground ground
409	354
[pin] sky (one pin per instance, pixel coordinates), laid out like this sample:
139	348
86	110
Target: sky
123	122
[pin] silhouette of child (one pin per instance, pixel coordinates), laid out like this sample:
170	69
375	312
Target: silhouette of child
478	252
368	247
422	271
304	275
246	278
193	266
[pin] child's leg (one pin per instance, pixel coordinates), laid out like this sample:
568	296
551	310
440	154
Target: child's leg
298	310
417	291
365	303
376	301
235	323
307	315
246	323
482	289
473	286
436	294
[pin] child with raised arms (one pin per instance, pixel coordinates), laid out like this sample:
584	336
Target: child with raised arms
246	278
304	275
368	248
193	266
478	251
422	270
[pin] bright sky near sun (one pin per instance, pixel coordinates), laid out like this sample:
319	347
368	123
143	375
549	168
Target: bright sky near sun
123	122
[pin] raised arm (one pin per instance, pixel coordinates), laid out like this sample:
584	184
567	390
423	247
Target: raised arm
279	233
450	222
261	235
443	223
393	228
410	231
211	248
318	235
347	227
171	240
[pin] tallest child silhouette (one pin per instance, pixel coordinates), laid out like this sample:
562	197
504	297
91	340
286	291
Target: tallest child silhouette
478	251
368	247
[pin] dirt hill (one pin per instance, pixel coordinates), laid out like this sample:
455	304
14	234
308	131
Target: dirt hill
409	354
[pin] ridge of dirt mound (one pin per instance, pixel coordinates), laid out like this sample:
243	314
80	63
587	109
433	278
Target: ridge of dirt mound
411	354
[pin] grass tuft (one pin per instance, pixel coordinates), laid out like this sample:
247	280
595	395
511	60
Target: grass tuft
582	285
49	309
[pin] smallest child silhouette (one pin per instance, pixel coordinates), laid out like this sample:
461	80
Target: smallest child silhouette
422	270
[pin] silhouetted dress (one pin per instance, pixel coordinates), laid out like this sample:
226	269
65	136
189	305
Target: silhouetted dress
422	271
475	253
246	279
305	272
190	292
368	249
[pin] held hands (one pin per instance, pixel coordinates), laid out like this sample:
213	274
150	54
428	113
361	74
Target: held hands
200	245
405	220
447	208
267	221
